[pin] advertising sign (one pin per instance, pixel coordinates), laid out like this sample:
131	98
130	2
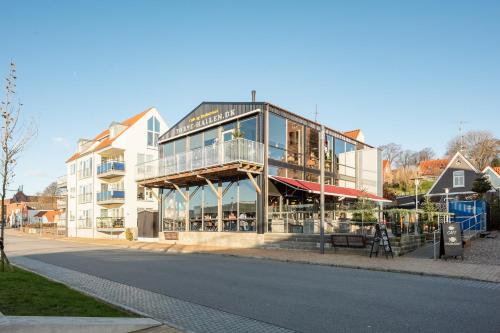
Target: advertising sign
451	240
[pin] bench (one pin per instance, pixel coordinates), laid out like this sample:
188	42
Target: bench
348	240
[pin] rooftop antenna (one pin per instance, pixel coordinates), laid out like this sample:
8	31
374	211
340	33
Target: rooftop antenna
461	134
316	114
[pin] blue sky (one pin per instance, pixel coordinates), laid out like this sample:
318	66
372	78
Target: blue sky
404	72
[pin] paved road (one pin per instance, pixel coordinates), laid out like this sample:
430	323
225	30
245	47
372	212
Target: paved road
306	298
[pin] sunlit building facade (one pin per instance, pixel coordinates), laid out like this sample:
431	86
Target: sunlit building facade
226	169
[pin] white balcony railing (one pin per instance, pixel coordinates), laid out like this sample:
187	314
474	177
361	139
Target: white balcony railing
237	150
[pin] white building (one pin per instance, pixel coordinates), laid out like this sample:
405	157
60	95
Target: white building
103	197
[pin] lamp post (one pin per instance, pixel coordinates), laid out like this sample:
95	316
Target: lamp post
322	190
447	191
417	182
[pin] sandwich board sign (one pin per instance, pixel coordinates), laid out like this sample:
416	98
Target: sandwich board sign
451	244
381	238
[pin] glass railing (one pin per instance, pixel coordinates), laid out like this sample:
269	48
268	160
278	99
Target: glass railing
237	150
110	166
110	195
104	222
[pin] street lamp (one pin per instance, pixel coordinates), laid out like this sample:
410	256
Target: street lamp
447	191
417	182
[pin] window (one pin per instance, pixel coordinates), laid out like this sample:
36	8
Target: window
173	211
248	128
247	206
312	148
85	168
72	168
195	208
295	135
277	137
85	194
210	209
458	178
153	131
230	206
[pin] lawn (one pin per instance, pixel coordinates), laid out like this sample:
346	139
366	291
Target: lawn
23	293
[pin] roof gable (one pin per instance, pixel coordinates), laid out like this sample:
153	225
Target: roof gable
104	136
445	179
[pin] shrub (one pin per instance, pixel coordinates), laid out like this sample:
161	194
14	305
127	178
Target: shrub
129	234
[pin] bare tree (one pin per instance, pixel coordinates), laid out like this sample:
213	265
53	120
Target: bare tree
50	190
407	158
391	152
14	137
481	147
426	154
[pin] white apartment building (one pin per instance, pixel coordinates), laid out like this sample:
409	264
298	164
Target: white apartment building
103	197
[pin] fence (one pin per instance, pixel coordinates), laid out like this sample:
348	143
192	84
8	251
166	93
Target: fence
306	219
237	150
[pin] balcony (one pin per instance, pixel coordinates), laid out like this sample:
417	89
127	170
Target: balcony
111	197
228	158
111	169
61	181
110	223
61	203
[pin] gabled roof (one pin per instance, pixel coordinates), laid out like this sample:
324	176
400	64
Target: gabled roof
49	214
450	163
104	136
353	134
495	170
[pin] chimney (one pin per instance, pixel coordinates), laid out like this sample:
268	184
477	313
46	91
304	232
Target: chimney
253	96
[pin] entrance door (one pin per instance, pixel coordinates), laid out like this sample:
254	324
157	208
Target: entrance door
147	223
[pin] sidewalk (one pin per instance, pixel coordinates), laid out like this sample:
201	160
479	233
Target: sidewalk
450	268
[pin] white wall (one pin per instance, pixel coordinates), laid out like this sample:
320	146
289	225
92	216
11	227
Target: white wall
369	170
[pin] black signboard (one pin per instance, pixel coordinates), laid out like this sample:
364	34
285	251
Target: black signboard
209	114
381	238
451	243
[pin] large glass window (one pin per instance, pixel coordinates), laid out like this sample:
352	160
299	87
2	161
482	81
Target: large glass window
153	131
329	153
228	131
210	209
195	143
195	208
277	137
312	148
173	211
295	174
210	137
248	128
295	137
180	148
230	206
247	206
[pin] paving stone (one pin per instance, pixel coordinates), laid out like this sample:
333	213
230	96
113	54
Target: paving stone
171	311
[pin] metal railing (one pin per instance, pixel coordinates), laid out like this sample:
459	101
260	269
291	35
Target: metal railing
104	222
84	223
110	166
237	150
471	227
110	195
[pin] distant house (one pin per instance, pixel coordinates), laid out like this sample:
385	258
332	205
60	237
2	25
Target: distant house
493	174
386	171
356	134
431	169
46	216
457	177
21	207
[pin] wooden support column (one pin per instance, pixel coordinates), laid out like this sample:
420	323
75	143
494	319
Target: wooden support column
257	188
216	191
219	208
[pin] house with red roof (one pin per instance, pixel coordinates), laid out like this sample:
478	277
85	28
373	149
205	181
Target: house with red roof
431	169
103	199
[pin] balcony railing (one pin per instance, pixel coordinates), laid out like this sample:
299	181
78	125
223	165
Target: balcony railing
84	223
61	181
237	150
113	196
110	222
111	168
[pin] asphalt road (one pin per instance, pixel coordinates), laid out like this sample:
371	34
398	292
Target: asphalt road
306	298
